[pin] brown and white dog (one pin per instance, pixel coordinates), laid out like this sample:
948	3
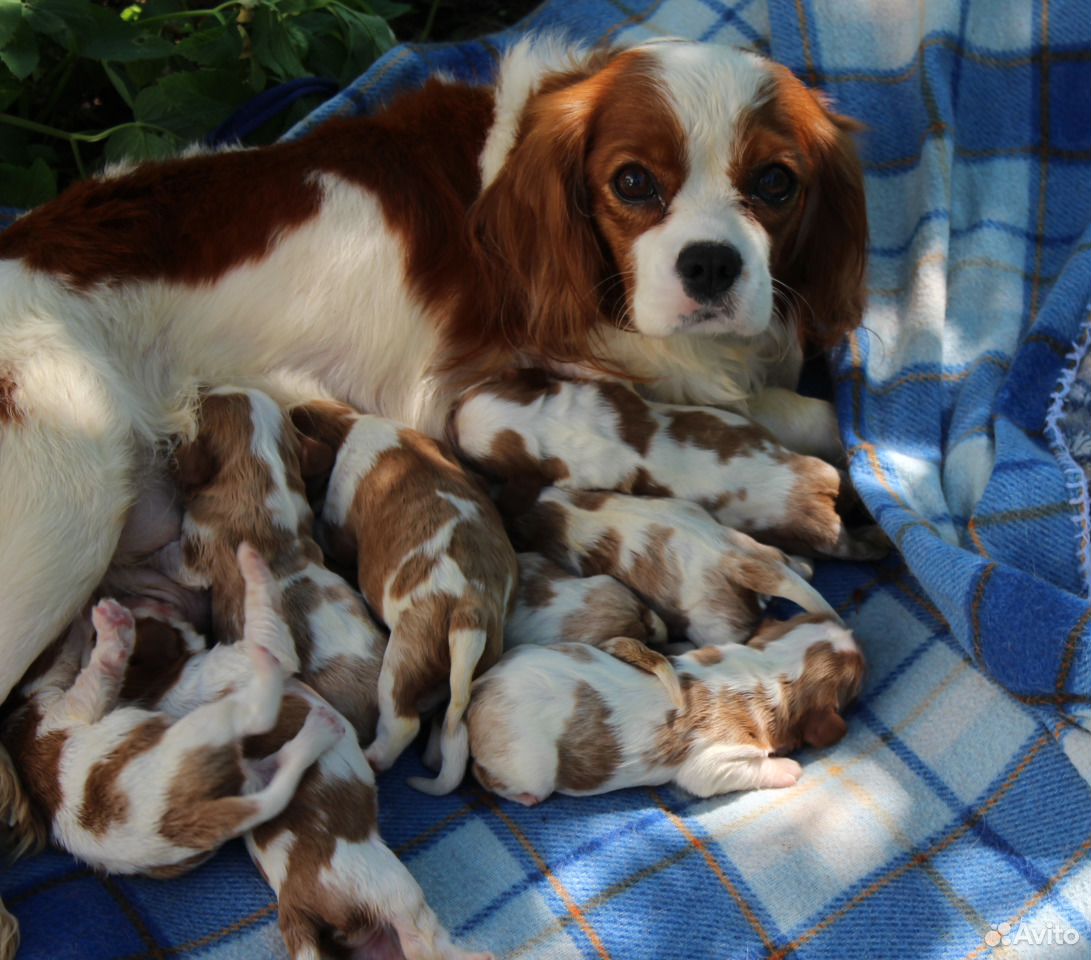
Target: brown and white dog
386	261
338	886
527	429
555	606
240	480
574	720
435	564
133	790
703	579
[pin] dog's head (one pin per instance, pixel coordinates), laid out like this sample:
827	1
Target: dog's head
670	188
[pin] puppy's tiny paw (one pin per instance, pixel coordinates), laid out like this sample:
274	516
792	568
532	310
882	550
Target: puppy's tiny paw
778	772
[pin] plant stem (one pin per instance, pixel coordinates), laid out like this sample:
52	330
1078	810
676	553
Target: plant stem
429	22
75	138
191	14
79	160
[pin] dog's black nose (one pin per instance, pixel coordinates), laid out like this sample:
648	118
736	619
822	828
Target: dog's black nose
708	270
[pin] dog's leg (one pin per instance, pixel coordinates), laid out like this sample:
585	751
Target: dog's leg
395	730
66	464
467	646
95	691
718	769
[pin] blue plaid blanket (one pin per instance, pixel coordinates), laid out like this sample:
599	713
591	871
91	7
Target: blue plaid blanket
955	818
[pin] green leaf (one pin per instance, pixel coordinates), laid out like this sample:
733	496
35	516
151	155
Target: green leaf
20	55
11	15
213	46
135	144
277	44
119	41
26	186
120	84
367	37
191	105
382	8
9	89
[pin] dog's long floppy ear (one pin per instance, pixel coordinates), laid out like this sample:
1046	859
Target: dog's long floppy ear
532	226
194	464
828	259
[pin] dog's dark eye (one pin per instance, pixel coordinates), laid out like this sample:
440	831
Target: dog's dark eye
634	184
774	184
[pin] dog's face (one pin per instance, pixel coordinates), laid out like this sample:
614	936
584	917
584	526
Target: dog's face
684	188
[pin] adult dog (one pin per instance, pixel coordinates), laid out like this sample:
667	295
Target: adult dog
628	212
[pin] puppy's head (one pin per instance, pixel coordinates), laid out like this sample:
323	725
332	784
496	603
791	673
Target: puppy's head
673	187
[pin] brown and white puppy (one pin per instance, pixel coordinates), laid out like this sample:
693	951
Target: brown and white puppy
340	890
132	790
574	720
553	606
435	564
241	479
338	886
702	578
528	429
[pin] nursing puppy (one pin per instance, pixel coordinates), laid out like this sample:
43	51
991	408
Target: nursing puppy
435	564
338	886
572	720
702	578
528	429
241	479
133	790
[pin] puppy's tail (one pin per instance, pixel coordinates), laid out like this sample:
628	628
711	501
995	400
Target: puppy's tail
467	646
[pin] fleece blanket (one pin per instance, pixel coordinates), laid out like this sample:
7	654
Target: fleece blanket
955	818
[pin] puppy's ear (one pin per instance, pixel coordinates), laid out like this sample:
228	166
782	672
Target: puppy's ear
194	464
315	458
822	727
326	422
532	231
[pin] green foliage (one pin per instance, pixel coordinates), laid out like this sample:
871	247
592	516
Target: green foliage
89	82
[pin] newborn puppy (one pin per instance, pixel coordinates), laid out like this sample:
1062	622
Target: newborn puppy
529	430
241	479
434	562
132	790
703	579
552	606
339	888
573	720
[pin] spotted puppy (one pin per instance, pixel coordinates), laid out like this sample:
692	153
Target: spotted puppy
434	562
241	477
553	606
132	790
703	579
338	886
528	430
573	720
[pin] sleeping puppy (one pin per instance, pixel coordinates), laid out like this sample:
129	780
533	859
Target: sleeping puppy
552	606
570	719
435	564
338	886
241	479
132	790
340	890
705	580
527	429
